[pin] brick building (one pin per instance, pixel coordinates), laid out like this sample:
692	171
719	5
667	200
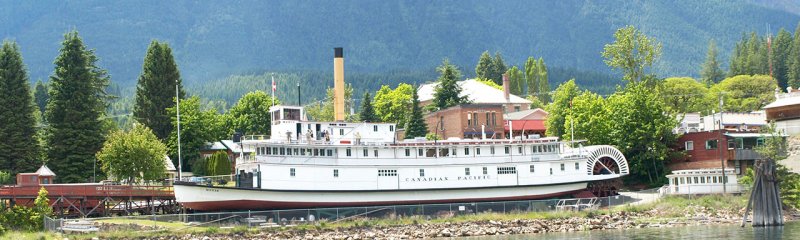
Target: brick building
526	123
480	93
466	121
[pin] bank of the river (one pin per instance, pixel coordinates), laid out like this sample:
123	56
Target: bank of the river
669	212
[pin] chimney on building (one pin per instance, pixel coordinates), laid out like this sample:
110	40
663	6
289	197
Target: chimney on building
506	87
338	84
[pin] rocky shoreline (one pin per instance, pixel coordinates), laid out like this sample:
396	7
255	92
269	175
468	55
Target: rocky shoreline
695	215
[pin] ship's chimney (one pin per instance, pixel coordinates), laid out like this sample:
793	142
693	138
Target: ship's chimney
506	87
338	84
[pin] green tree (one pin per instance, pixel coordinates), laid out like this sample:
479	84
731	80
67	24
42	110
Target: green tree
198	127
5	178
19	147
367	113
781	47
589	118
484	67
250	115
744	93
711	72
41	209
218	164
775	148
77	103
544	83
447	92
323	110
155	91
490	83
415	126
632	51
393	106
134	156
498	68
684	95
535	102
41	96
558	110
794	60
517	81
532	76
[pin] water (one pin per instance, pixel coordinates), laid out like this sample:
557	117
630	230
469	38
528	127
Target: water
790	231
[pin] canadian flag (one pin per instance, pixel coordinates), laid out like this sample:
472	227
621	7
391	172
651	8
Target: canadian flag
274	87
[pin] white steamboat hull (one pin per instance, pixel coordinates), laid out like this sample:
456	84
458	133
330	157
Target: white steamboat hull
205	198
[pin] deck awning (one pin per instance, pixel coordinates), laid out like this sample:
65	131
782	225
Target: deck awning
526	125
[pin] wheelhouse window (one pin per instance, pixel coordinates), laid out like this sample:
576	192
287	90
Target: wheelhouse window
330	152
419	152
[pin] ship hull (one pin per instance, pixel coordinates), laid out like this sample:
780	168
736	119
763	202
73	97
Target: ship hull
203	198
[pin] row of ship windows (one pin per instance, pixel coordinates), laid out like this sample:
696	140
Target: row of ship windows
426	152
500	170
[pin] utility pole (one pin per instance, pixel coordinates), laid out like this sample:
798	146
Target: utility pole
178	116
721	151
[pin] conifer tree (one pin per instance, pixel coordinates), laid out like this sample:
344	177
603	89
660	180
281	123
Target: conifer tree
367	113
711	72
19	148
794	60
155	91
498	68
781	46
41	96
77	102
484	67
415	126
448	93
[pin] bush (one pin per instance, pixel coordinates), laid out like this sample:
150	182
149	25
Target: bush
27	218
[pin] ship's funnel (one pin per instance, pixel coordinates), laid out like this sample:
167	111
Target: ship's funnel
338	84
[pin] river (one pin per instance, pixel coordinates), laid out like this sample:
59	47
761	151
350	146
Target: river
730	232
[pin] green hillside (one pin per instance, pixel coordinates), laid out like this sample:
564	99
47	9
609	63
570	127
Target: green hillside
215	40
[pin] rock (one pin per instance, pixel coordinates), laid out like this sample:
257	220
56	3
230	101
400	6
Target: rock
445	233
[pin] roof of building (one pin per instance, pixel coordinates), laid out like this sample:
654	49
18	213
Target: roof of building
757	118
168	164
522	114
45	171
477	92
214	146
785	100
526	125
232	146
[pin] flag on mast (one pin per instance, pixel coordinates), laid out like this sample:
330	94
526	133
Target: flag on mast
273	90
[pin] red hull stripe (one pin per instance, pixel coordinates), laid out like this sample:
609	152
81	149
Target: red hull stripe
268	205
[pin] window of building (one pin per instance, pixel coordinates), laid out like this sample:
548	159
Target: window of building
469	119
422	172
689	145
269	151
507	149
696	180
387	172
516	108
533	169
494	119
365	152
488	118
391	128
711	144
577	166
288	151
738	167
302	152
760	142
336	173
348	152
466	171
506	170
715	179
408	152
485	170
454	152
682	180
292	172
702	180
562	167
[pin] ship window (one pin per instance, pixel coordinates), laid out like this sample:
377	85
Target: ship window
577	166
316	152
551	171
330	152
466	151
715	179
283	151
391	128
275	151
408	152
375	152
454	152
682	181
533	169
288	151
336	173
292	172
295	151
386	172
366	152
422	172
477	151
519	149
341	131
466	171
444	152
485	170
269	151
374	128
696	180
702	180
506	170
562	167
348	152
430	152
302	151
491	150
507	149
419	152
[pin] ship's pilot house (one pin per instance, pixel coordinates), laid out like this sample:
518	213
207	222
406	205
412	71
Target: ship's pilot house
289	125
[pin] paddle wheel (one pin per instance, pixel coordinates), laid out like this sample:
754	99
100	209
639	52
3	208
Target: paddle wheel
605	188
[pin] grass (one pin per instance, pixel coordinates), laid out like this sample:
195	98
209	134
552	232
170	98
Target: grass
672	207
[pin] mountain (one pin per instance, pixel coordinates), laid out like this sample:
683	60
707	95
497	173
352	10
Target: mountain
216	39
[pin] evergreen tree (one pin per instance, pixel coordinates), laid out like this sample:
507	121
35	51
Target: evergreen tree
532	76
155	91
738	57
19	148
544	83
447	92
77	101
781	46
498	68
516	79
367	113
711	72
218	164
415	126
41	96
794	60
484	67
